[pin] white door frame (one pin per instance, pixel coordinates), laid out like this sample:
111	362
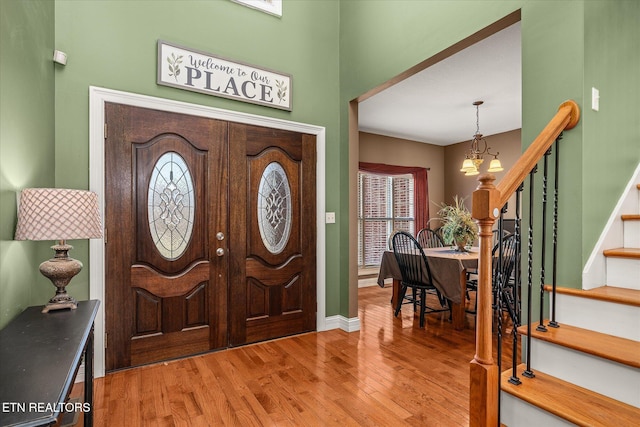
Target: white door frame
97	99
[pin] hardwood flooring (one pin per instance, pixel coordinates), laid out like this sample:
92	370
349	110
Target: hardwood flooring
390	373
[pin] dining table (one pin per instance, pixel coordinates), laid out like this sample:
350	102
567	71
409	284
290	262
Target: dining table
449	269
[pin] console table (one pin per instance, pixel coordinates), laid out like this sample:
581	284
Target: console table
40	354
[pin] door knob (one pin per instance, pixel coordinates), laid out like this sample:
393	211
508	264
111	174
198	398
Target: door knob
220	235
220	252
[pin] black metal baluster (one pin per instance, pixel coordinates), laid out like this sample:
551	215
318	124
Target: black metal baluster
543	244
516	292
528	372
552	322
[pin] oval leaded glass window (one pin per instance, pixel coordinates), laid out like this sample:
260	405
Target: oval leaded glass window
274	208
171	205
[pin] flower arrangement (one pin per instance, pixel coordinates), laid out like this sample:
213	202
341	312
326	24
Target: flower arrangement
458	227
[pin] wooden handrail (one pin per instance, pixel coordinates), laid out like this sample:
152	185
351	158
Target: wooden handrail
567	118
486	204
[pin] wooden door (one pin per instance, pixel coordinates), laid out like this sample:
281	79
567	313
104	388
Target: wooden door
165	216
272	233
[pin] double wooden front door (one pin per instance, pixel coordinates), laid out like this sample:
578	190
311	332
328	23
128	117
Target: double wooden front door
210	234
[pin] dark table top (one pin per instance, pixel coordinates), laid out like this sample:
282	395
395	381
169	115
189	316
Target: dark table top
39	356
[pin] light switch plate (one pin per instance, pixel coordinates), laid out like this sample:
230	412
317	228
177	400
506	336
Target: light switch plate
595	99
330	217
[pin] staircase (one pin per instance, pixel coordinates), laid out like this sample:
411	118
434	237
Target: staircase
587	371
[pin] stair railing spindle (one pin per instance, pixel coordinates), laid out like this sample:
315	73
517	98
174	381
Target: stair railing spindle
516	291
528	372
552	322
543	243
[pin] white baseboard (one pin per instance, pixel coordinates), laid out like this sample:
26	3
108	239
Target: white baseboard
341	322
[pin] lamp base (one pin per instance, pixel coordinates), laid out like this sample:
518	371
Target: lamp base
60	270
60	304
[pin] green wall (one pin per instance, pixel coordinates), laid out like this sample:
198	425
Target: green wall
26	144
612	134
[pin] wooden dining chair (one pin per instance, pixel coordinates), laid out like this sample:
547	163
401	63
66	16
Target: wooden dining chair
428	238
504	265
473	282
415	273
504	261
497	237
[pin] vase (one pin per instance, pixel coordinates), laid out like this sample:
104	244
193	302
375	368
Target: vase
461	245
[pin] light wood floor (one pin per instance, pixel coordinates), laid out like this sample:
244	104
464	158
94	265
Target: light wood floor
390	373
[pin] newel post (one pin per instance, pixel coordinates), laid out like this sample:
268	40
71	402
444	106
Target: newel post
483	391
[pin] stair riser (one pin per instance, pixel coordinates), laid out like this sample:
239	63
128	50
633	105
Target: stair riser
632	234
623	273
603	376
518	413
619	320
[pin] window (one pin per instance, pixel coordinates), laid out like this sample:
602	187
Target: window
385	204
274	208
171	203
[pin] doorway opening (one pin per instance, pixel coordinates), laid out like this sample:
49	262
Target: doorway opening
442	162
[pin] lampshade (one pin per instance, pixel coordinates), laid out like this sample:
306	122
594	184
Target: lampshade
471	172
495	166
467	165
58	214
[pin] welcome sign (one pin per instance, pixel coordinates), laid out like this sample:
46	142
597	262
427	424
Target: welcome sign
206	73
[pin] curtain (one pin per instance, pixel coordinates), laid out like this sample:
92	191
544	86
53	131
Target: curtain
420	187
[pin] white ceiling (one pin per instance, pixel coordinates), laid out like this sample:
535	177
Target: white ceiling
436	105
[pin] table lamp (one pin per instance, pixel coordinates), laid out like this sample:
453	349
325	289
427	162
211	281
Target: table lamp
58	214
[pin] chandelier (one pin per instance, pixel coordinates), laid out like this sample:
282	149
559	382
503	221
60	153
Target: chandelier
474	158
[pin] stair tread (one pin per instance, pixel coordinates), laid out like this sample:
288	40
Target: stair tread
631	217
569	401
621	350
603	293
623	253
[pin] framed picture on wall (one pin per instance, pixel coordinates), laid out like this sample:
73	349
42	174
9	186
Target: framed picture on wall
274	7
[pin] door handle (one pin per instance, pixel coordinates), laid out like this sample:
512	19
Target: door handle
220	252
